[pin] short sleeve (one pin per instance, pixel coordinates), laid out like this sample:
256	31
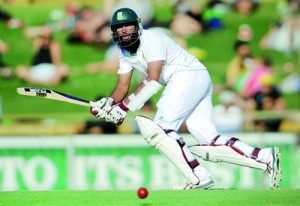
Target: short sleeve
156	49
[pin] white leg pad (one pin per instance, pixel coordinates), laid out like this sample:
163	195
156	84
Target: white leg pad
225	154
168	146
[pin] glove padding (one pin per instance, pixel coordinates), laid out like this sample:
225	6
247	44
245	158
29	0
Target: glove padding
100	108
117	114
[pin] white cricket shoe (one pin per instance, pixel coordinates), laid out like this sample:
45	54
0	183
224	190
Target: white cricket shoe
203	185
274	169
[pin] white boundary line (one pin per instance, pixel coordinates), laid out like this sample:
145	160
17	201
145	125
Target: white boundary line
87	141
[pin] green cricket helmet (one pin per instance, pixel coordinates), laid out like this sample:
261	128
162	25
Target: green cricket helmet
124	17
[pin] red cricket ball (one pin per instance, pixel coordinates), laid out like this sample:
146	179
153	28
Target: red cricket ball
142	192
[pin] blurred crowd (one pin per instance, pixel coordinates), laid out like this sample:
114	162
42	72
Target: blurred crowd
250	84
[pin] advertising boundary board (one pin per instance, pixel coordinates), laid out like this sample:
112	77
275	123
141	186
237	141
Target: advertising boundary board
106	162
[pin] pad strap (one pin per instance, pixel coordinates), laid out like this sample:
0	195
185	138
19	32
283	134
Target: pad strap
254	154
194	163
214	140
231	141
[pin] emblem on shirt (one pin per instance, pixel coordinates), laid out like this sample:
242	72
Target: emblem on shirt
120	15
161	118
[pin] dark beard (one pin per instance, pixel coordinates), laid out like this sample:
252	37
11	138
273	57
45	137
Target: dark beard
132	49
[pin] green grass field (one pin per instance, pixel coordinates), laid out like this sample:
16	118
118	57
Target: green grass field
155	198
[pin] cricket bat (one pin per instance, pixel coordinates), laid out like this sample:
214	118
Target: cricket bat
51	94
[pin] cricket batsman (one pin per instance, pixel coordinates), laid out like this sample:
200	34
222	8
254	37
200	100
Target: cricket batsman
187	96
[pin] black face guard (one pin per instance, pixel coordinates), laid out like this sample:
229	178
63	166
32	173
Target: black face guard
119	39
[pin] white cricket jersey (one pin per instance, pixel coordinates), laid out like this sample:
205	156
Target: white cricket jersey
157	46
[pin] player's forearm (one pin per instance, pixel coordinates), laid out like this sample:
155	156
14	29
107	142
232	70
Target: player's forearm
119	94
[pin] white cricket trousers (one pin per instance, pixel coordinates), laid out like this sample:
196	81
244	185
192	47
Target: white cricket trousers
188	96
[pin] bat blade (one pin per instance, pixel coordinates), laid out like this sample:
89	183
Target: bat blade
51	94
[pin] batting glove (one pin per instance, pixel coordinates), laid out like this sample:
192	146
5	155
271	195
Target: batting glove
117	114
100	108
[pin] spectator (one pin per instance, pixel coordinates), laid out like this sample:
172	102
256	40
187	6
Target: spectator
239	66
213	14
97	127
46	66
6	71
228	116
284	35
9	20
86	25
188	19
58	21
245	7
291	82
191	17
245	33
269	99
91	27
254	83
